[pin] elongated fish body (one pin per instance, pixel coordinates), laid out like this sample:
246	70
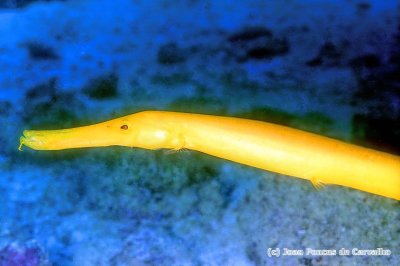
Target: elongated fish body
259	144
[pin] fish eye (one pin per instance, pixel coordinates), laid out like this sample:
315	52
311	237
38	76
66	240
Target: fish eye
124	127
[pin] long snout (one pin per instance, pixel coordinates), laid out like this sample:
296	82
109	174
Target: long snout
80	137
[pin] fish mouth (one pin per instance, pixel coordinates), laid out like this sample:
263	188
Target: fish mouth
28	140
50	139
34	139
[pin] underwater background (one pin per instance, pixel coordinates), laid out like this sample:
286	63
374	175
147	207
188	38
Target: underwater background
329	67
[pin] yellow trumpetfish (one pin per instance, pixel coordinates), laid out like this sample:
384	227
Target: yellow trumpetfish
263	145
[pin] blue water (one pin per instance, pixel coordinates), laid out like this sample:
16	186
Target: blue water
330	67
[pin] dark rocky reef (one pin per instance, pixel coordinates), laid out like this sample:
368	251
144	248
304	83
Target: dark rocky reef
379	86
102	88
329	55
256	43
22	3
170	54
39	51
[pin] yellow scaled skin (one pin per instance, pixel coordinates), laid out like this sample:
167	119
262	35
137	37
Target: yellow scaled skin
263	145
